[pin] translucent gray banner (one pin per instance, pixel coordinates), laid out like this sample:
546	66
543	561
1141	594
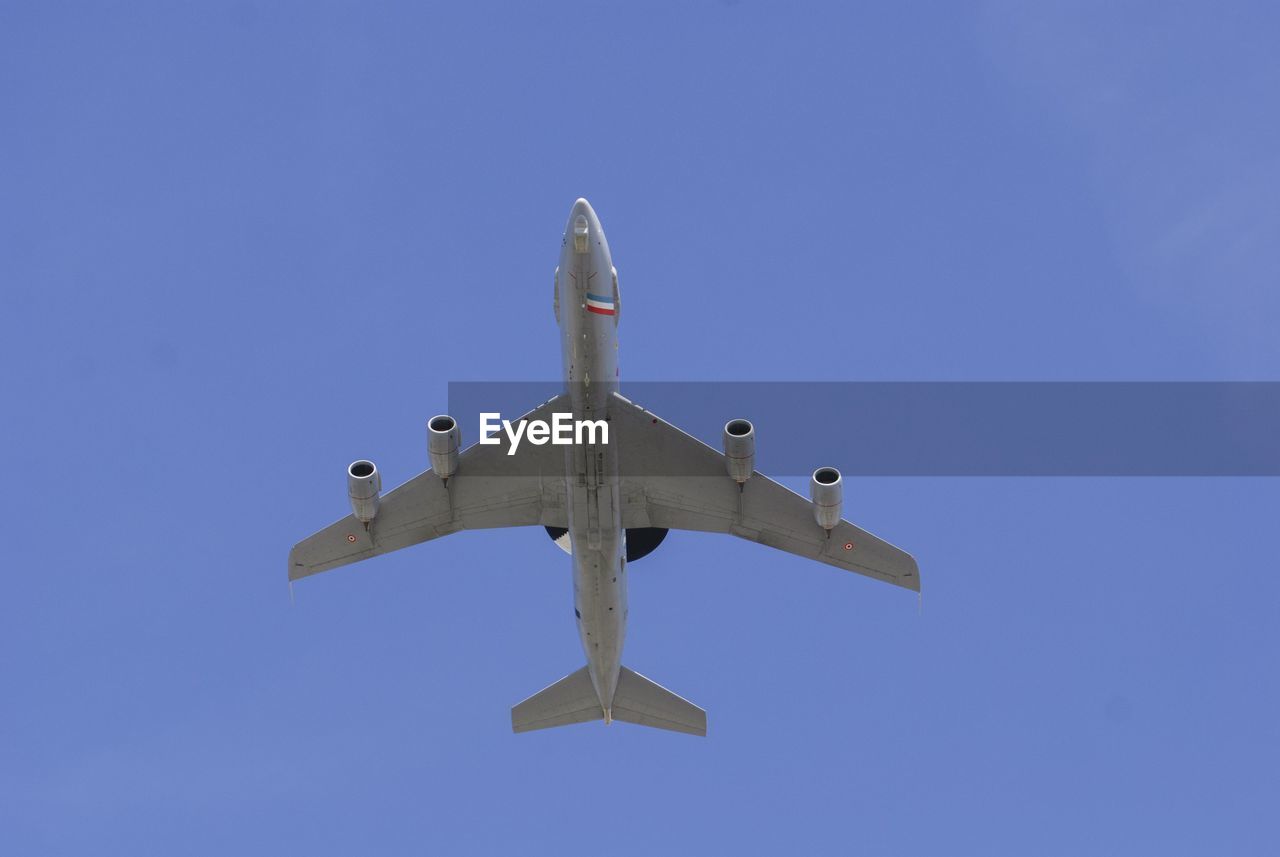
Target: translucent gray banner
954	428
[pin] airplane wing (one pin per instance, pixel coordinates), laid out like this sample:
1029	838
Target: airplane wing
673	480
490	489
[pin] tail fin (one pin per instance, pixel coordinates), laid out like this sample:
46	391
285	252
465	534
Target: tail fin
637	700
570	700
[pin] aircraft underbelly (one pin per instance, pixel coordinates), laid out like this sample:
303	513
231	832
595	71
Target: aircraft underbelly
589	338
599	577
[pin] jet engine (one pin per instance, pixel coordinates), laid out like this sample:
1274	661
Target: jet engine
443	439
364	483
825	491
740	449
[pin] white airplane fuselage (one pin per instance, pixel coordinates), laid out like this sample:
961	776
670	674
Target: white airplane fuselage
586	308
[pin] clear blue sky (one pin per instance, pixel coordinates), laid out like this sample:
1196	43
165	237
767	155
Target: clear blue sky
243	244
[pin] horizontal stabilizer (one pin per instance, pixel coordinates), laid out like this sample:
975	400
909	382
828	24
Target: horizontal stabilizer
638	700
570	700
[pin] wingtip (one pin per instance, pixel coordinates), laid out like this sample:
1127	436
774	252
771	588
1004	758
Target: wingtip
296	569
912	581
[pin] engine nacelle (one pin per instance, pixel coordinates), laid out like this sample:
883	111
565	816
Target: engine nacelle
364	483
443	440
740	449
826	493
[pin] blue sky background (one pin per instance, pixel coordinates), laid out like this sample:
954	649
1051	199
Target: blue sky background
244	244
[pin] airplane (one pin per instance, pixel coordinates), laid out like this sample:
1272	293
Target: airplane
606	503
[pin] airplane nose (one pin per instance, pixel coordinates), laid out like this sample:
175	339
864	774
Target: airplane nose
580	220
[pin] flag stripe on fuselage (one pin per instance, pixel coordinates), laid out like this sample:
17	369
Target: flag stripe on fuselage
599	304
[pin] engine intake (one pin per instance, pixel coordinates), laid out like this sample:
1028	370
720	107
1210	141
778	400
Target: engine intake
826	492
740	449
443	439
364	483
